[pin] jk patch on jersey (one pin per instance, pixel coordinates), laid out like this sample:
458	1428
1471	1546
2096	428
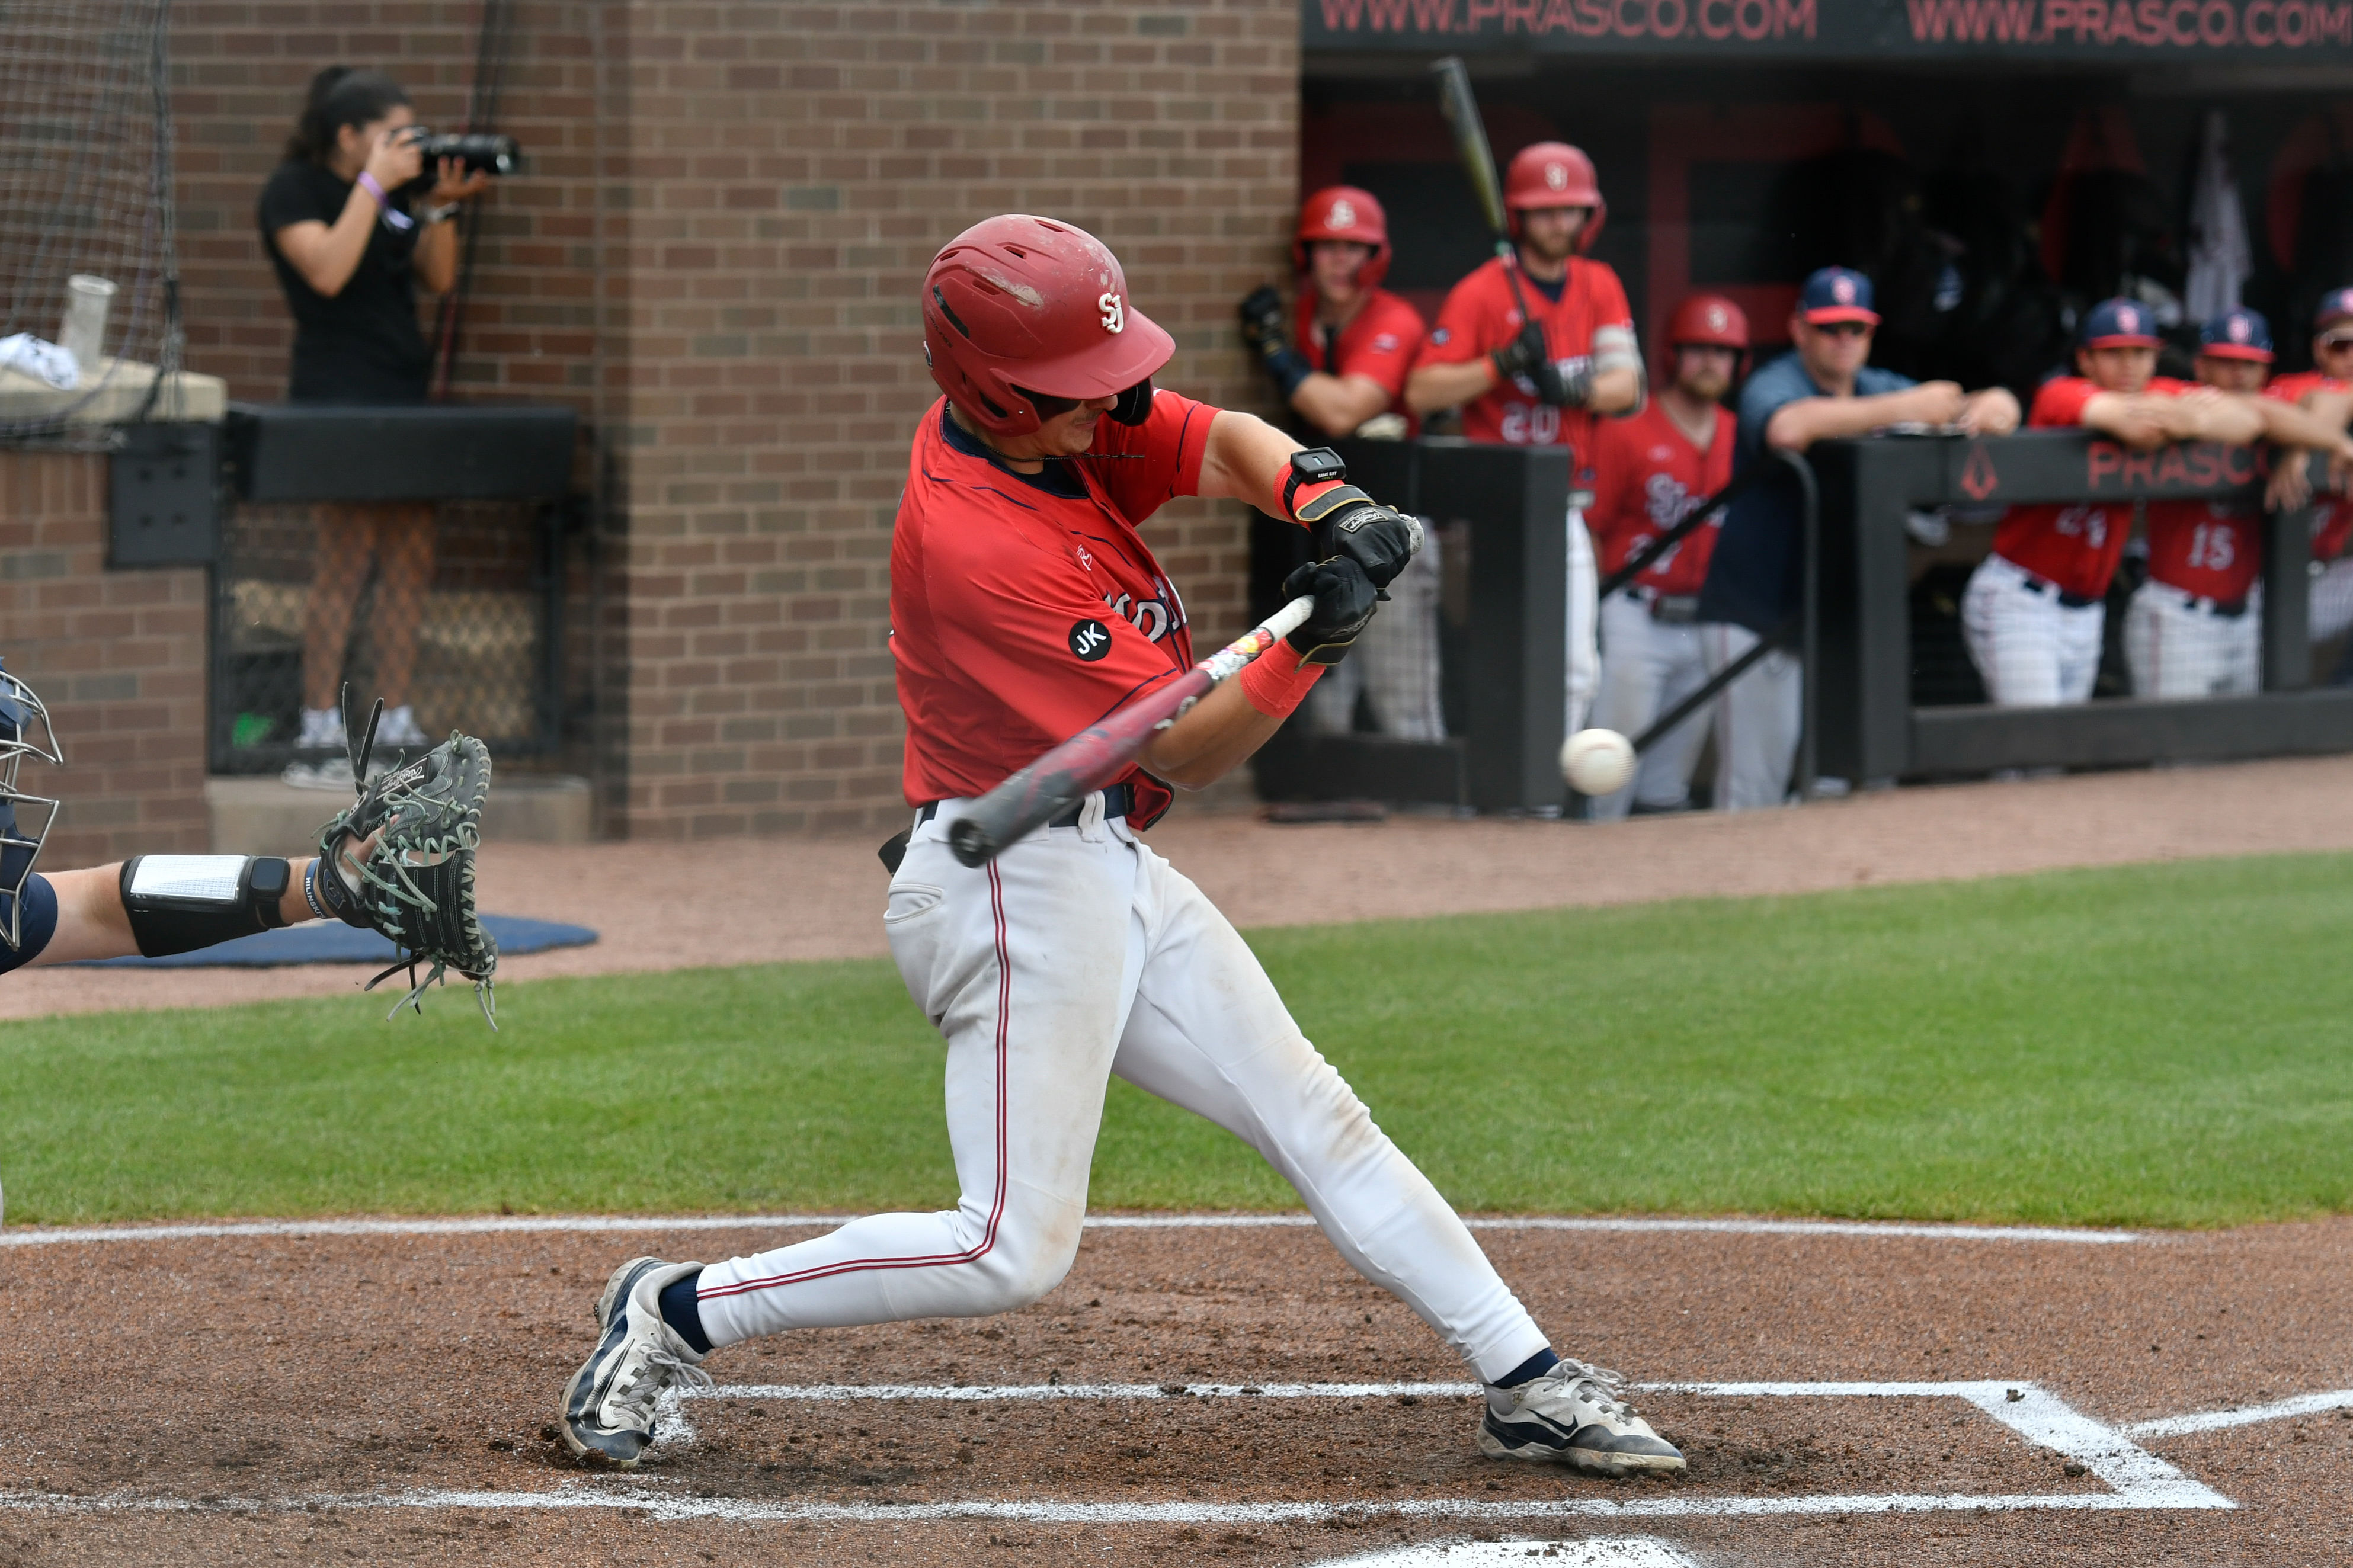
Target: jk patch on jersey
1090	640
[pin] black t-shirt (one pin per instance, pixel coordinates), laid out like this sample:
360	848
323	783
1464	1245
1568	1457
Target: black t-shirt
363	345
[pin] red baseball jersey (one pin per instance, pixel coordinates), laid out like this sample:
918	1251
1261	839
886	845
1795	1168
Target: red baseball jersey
1647	477
1381	341
1480	315
2075	545
2332	515
1020	616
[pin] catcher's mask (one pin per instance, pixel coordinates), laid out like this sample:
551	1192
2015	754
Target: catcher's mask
25	732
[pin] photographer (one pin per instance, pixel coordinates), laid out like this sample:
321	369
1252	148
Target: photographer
349	248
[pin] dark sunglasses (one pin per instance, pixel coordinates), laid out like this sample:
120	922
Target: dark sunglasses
1843	329
2337	342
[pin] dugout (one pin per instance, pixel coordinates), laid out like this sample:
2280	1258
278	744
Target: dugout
1995	165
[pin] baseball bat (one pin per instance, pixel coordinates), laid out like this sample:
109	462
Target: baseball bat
1461	112
1102	751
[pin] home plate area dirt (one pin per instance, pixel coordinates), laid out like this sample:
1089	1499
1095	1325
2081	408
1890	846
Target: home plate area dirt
1195	1390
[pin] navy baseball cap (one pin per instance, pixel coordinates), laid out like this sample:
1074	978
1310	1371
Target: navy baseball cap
2237	333
2119	324
1837	294
2335	306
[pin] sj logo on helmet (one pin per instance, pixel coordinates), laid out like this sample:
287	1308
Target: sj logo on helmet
1114	314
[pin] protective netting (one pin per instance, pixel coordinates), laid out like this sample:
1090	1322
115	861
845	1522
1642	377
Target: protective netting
86	188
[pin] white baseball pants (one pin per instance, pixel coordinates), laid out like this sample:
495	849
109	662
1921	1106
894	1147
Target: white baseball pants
2032	650
2331	604
1647	668
1584	619
2176	649
1757	720
1395	662
1078	954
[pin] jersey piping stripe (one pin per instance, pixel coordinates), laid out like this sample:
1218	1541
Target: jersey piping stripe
997	1203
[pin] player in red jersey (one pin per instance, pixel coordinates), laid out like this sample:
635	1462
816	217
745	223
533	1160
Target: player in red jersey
2326	391
1024	605
2194	628
1342	370
2034	614
1353	342
1649	472
1542	381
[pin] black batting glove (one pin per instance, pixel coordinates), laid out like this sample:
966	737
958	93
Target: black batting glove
1263	334
1261	314
1346	522
1345	601
1522	354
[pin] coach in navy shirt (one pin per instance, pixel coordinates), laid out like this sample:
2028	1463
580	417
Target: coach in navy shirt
1822	389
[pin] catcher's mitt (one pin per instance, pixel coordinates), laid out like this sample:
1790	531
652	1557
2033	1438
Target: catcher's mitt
400	860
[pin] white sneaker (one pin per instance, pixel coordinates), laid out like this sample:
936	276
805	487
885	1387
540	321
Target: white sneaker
1575	1414
399	728
322	731
334	773
608	1406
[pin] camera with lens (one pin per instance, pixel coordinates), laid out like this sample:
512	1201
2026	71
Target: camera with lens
476	151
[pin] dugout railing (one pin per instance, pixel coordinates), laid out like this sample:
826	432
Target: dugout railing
1870	726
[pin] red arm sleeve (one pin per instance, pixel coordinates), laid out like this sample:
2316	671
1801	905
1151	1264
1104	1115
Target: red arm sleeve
1151	463
1026	623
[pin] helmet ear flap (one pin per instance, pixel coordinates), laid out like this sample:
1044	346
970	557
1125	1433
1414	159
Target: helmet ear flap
1134	404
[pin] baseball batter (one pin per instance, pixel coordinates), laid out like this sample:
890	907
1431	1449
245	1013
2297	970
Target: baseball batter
1025	604
1342	370
1543	381
2194	628
1649	472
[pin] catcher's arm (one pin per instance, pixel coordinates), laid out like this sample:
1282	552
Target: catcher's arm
95	920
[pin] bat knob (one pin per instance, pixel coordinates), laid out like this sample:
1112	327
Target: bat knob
972	844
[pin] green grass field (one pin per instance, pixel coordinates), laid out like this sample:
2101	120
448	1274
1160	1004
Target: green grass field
2155	1044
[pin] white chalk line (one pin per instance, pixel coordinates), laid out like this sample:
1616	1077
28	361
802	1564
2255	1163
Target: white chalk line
498	1225
2138	1481
2223	1420
1594	1551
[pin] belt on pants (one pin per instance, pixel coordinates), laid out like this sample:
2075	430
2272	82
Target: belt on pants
1668	609
2230	611
2067	601
1117	799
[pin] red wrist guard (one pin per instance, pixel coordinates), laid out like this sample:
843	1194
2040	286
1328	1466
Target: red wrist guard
1276	681
1304	497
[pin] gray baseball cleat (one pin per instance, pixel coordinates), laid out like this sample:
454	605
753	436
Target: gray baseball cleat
608	1406
1575	1414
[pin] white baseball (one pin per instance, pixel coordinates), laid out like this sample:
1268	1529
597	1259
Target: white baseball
1597	762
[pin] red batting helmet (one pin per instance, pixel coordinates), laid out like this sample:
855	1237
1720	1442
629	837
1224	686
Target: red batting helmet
1344	212
1708	318
1554	174
1016	306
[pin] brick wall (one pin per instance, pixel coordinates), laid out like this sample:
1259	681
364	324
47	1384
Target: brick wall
793	169
730	295
117	658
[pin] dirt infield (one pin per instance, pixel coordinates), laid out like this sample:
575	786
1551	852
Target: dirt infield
667	906
1992	1399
